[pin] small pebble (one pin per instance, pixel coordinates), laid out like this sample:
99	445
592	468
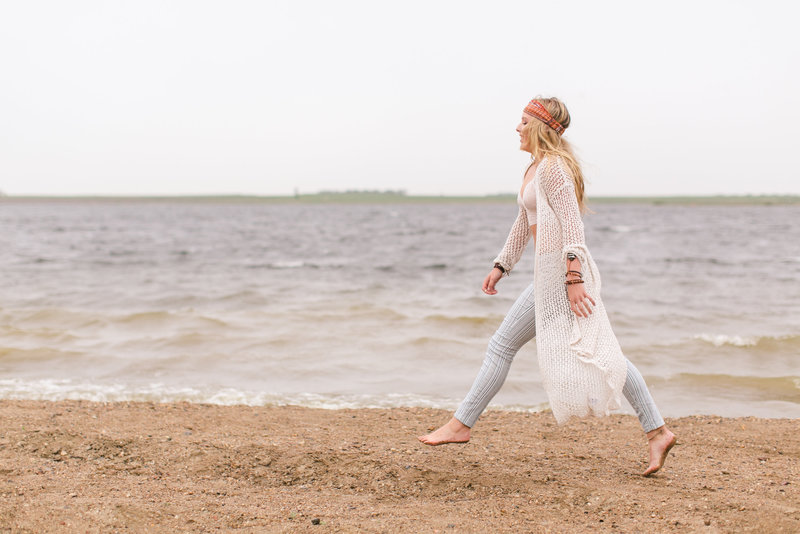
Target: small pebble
315	521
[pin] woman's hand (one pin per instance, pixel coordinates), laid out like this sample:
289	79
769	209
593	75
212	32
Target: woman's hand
490	280
579	300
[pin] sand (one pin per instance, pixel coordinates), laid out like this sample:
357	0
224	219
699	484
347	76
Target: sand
76	466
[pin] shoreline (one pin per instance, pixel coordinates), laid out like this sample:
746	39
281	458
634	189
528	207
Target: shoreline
69	466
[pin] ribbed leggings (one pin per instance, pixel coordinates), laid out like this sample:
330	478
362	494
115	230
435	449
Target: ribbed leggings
517	329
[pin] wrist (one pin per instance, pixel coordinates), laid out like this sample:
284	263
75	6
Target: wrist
573	275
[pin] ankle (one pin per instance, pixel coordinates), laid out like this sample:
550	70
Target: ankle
653	434
457	426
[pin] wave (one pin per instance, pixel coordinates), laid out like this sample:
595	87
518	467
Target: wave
64	389
66	319
299	264
701	260
280	265
10	354
162	317
719	340
784	388
424	341
786	343
76	319
348	313
761	342
618	229
465	320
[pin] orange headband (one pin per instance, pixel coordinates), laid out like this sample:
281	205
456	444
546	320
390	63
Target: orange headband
536	109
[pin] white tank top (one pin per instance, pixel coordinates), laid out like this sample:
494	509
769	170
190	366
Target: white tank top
527	199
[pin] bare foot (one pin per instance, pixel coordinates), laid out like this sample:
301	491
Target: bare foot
661	440
453	432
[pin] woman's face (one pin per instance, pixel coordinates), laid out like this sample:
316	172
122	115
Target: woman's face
523	141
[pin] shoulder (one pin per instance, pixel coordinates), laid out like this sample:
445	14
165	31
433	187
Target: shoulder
555	174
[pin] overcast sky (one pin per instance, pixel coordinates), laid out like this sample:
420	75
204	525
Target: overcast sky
269	97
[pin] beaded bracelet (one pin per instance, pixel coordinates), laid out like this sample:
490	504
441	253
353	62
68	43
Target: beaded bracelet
571	282
575	272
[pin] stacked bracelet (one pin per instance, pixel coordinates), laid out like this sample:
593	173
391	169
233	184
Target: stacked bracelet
571	281
502	269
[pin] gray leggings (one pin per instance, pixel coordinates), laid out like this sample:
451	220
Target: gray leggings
517	329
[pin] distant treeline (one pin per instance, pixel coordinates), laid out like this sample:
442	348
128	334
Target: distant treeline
390	195
368	192
393	193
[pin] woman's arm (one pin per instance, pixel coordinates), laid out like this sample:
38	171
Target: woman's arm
517	239
560	191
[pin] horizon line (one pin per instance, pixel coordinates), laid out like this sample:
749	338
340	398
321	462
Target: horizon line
393	197
358	193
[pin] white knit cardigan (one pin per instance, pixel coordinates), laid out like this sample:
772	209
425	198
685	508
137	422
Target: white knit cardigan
582	365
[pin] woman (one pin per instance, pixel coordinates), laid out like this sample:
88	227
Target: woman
583	369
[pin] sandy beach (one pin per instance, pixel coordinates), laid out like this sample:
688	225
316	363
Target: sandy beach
78	466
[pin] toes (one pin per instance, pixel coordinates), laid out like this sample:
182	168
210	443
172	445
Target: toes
428	440
653	468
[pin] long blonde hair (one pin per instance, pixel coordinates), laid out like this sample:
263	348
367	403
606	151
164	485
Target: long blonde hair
544	141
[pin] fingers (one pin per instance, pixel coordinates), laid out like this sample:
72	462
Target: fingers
578	309
488	285
579	304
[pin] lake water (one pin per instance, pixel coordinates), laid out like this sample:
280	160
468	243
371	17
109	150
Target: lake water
350	305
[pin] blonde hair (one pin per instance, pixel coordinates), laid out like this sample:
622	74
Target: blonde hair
544	141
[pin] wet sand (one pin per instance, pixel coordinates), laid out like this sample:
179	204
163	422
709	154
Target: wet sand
76	466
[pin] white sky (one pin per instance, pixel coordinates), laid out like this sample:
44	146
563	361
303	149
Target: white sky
205	97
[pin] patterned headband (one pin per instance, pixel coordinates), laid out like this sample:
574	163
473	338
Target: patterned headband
537	110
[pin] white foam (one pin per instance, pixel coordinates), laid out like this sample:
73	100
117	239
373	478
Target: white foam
719	340
287	264
64	389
